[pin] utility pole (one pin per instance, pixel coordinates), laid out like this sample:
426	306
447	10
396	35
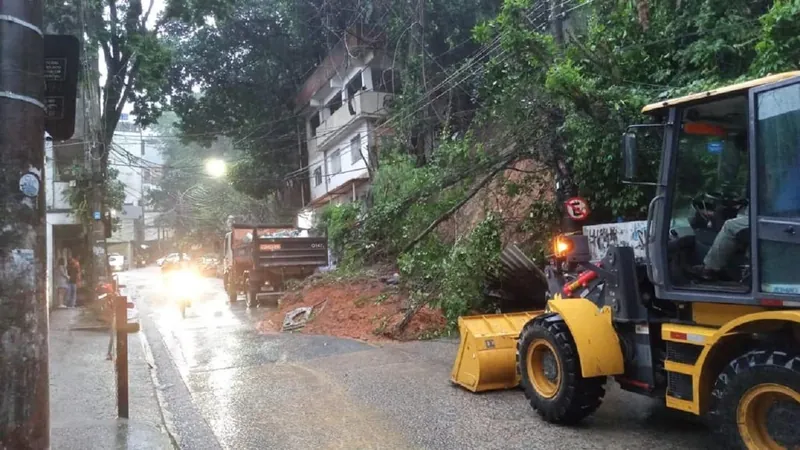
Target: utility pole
557	21
24	372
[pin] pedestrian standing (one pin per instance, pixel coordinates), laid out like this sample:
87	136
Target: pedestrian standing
74	274
62	282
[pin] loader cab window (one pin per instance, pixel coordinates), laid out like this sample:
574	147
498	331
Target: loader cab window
777	130
711	188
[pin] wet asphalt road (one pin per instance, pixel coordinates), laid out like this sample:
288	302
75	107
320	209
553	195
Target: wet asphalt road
225	385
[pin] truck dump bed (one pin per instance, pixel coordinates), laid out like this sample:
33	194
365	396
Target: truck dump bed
267	246
294	251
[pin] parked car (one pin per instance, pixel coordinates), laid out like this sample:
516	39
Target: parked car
116	261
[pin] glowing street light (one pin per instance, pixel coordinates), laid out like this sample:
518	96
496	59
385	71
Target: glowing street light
216	167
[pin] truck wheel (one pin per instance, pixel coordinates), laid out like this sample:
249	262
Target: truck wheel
233	295
251	298
756	401
550	371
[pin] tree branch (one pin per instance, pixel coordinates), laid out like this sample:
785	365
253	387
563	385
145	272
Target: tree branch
128	87
147	14
106	54
475	189
112	6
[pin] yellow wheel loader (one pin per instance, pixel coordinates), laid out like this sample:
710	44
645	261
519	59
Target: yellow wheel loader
699	304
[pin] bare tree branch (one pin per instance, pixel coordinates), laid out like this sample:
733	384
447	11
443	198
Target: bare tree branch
147	14
112	6
475	189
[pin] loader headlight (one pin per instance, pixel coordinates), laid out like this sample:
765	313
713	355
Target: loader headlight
184	283
562	246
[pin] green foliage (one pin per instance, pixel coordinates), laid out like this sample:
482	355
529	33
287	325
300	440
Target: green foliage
79	195
408	197
452	277
341	224
778	48
613	63
541	224
466	268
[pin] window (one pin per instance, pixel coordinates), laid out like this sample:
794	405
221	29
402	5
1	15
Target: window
779	153
336	162
335	103
67	156
710	194
314	123
355	85
147	176
778	168
317	176
355	149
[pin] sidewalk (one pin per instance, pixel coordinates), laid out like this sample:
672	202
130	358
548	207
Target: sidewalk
83	408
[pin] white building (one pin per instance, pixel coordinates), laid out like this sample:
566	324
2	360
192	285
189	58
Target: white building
136	154
342	101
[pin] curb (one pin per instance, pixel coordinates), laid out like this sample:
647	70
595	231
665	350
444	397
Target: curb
162	403
90	328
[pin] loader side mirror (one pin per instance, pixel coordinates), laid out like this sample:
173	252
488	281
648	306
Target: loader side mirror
629	156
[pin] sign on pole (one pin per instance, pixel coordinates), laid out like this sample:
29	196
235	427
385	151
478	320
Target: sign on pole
61	62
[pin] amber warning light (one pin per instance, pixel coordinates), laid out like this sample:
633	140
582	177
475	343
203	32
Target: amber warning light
562	246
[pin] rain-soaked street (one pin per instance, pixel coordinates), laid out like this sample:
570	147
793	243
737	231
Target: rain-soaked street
224	384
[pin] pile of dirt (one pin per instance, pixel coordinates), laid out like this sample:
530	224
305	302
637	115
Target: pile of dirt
367	309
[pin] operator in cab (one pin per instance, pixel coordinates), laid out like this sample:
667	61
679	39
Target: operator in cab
725	243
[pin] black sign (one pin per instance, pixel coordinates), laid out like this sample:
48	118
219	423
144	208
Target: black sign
61	62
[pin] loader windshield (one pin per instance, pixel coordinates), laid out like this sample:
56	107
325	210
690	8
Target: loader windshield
714	164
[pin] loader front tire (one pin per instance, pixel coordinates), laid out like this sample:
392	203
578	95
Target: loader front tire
550	372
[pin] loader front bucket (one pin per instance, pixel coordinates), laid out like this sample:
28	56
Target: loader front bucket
486	358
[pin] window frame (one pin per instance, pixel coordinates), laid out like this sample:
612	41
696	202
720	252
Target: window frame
766	227
336	155
317	176
355	151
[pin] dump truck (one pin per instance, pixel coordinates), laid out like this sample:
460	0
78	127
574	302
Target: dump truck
699	304
260	259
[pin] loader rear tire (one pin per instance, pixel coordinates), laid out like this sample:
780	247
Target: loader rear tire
550	372
756	401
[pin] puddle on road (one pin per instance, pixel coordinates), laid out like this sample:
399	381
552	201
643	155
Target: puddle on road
298	407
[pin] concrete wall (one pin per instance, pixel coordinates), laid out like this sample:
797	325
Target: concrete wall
55	191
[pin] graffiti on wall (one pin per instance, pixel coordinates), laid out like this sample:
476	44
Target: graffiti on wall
626	234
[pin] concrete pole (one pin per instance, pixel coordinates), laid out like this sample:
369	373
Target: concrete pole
24	372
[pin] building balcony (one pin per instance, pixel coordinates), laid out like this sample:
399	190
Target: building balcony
365	104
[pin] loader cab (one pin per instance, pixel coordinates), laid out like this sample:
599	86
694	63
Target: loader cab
727	194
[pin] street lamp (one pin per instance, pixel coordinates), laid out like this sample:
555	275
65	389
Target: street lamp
216	167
